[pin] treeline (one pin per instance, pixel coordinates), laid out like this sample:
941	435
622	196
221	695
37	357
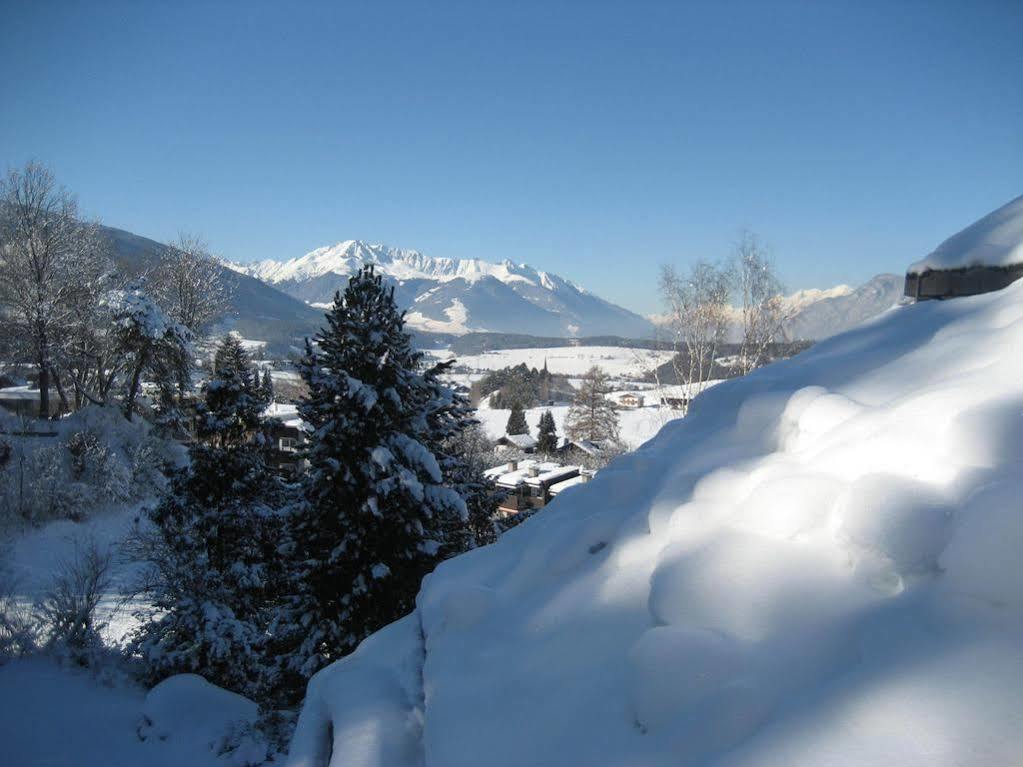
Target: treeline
522	387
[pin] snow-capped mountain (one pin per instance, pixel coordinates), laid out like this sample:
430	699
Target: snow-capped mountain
455	295
818	314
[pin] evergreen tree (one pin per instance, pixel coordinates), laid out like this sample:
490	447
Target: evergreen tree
375	512
213	569
516	421
463	453
547	435
268	387
593	416
234	398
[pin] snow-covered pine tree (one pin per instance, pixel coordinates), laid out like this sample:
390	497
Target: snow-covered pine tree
547	435
463	453
593	416
516	421
213	567
373	519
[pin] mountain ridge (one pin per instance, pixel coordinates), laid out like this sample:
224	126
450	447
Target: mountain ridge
454	296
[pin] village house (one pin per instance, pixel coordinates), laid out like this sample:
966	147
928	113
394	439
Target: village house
288	436
24	401
523	442
529	484
631	400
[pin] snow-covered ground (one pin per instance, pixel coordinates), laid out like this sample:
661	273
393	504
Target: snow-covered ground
635	426
819	565
59	717
618	362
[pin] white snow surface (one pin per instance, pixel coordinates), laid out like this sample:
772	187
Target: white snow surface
57	717
994	240
819	565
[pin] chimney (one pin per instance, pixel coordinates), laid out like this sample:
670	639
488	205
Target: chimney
534	471
584	476
513	466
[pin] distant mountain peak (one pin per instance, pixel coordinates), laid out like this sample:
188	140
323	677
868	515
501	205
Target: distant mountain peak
455	295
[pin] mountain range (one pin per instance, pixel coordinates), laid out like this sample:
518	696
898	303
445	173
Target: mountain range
281	302
456	296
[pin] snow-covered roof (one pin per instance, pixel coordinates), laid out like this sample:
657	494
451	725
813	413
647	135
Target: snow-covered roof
552	475
521	441
19	392
560	487
995	240
518	477
588	447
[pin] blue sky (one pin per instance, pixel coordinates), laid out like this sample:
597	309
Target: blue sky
595	140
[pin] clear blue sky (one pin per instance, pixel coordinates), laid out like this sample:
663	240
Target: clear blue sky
596	140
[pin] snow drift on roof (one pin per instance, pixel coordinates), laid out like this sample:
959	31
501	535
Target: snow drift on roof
995	240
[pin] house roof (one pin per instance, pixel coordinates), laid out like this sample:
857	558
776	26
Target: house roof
549	477
521	441
559	487
512	479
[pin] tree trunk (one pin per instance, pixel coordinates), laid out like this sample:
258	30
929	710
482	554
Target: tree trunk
44	386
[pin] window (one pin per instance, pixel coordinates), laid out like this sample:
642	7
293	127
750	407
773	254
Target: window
289	444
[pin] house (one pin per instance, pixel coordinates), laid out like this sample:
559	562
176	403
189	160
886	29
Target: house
985	256
585	446
523	442
630	400
526	485
288	437
24	401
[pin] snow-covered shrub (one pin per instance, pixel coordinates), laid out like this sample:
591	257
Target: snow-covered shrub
67	611
17	627
146	468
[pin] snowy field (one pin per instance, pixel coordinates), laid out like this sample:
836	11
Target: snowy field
819	565
635	426
567	360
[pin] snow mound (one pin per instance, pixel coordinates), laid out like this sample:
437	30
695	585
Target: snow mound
187	709
994	240
818	565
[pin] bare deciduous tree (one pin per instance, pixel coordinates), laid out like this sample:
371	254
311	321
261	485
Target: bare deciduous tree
760	300
189	285
698	315
50	265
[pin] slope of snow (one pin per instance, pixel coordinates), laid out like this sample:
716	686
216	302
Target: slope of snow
994	240
818	565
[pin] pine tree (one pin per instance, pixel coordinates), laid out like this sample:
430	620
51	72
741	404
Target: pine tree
234	398
375	511
462	451
593	416
516	421
268	387
547	435
213	569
